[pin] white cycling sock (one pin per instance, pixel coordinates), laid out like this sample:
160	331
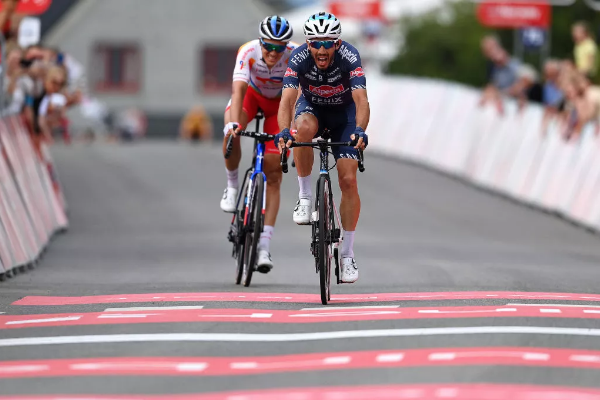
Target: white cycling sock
232	178
265	238
347	245
305	190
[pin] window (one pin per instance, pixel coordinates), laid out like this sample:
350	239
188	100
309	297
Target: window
116	68
218	63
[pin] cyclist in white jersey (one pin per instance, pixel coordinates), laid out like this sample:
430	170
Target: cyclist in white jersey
257	83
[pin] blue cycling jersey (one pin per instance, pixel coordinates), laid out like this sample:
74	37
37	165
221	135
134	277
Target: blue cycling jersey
331	87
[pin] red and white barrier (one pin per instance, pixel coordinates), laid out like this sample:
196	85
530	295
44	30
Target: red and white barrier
440	124
32	208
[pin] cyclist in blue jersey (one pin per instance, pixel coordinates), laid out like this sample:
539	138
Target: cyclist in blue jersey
334	95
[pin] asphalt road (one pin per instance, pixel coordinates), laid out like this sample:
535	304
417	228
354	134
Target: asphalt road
145	219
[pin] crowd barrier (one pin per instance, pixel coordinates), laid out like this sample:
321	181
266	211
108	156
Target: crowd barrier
441	125
32	204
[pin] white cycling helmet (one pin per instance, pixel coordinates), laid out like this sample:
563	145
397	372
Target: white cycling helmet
276	28
322	25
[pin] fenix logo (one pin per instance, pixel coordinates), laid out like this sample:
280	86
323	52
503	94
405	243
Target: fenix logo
300	56
347	54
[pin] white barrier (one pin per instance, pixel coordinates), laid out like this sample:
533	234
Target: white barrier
30	199
441	125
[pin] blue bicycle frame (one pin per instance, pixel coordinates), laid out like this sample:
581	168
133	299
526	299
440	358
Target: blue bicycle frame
259	157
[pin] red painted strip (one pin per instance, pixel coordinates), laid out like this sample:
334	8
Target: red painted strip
290	316
390	392
297	297
225	366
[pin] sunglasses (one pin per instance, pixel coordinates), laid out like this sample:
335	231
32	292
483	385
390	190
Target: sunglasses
279	48
316	44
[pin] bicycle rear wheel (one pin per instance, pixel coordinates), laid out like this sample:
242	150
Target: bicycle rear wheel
254	224
325	233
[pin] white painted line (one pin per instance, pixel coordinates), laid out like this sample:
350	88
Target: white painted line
154	308
188	367
536	356
253	315
552	305
2	312
585	358
125	315
297	337
390	358
37	321
23	368
259	315
346	308
441	356
337	360
591	311
550	310
506	309
244	365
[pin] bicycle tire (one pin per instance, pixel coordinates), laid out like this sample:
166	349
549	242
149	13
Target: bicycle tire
240	232
325	235
241	243
255	222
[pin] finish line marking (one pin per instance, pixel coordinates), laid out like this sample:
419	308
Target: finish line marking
296	337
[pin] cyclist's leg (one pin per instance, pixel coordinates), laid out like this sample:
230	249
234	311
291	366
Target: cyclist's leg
347	166
307	125
272	170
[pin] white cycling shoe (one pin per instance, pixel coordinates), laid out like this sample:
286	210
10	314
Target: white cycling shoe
349	270
229	199
264	264
302	212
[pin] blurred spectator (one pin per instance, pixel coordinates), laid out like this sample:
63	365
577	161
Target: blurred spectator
10	20
130	124
52	108
528	87
502	76
552	96
489	44
196	125
585	51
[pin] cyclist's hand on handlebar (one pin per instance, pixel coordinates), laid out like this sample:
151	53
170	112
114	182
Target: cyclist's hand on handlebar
283	139
361	138
232	128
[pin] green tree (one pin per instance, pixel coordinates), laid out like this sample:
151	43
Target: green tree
444	43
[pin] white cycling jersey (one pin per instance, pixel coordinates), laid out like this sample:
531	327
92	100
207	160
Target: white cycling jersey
251	68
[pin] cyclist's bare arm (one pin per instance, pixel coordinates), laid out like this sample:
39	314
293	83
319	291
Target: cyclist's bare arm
239	89
286	107
363	111
293	124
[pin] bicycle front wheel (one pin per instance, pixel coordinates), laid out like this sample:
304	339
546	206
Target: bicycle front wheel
240	232
324	237
254	222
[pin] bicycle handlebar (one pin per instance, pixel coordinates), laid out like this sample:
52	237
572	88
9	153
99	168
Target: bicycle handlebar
260	136
361	164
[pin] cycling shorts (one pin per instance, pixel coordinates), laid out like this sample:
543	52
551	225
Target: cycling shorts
252	102
341	122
